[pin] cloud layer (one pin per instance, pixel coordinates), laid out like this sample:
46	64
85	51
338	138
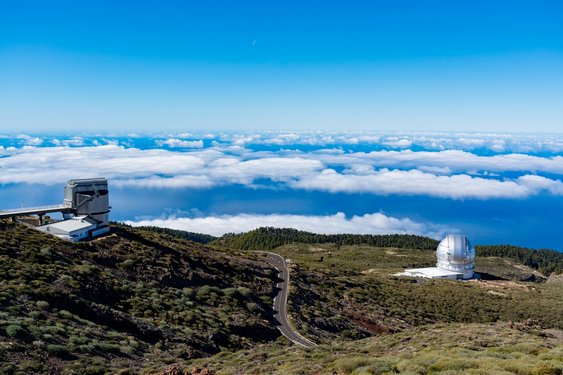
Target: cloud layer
492	143
450	174
376	223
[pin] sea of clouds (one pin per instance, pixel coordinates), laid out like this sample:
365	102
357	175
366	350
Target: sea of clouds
453	166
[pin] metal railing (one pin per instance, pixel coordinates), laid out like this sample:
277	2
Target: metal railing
24	210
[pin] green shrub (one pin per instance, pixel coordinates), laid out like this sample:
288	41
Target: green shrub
127	263
46	251
34	330
30	366
231	292
380	367
14	330
88	348
105	347
39	344
42	304
347	365
57	350
7	368
245	292
95	370
452	363
127	349
547	369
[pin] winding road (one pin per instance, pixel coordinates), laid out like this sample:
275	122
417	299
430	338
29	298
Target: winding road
280	301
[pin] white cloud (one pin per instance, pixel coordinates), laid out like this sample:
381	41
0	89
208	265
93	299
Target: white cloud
453	160
74	141
496	143
538	183
415	182
275	169
376	223
449	174
398	143
110	142
183	181
55	164
178	143
29	140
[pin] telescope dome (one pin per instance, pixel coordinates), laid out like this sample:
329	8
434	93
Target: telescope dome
455	253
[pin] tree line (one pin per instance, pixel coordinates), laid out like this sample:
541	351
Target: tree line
545	261
269	238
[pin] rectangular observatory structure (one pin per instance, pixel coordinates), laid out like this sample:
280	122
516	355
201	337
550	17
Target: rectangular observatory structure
85	211
88	197
75	229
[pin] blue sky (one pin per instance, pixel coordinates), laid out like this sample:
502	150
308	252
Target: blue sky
220	116
196	65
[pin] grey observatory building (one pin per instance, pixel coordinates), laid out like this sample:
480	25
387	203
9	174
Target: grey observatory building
85	210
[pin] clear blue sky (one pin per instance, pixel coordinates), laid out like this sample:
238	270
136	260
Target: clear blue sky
373	65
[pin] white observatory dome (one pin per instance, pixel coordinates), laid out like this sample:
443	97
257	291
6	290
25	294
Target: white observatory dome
455	253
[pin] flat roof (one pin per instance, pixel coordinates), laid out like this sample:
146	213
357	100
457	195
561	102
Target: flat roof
94	179
71	225
429	272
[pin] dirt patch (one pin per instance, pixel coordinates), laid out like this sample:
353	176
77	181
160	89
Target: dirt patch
495	293
316	249
528	269
391	252
369	324
500	284
555	279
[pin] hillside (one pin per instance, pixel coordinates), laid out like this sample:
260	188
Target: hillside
270	238
133	299
544	260
486	349
190	236
142	298
348	292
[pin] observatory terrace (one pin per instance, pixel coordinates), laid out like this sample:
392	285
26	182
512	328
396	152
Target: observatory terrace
34	210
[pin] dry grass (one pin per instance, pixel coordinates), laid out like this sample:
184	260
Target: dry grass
435	349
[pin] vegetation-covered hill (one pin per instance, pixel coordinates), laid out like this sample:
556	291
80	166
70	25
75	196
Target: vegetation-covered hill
350	292
141	298
484	349
270	238
545	261
133	299
190	236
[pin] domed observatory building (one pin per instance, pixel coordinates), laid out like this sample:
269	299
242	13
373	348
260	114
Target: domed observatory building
455	253
456	260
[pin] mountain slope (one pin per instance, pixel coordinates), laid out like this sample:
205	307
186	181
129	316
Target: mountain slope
128	300
350	293
139	299
544	260
500	348
268	238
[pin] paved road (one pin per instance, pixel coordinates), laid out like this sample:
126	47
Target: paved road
280	302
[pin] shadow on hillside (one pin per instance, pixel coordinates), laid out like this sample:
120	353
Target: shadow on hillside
488	276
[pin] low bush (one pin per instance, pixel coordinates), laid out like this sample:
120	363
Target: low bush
14	330
57	350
